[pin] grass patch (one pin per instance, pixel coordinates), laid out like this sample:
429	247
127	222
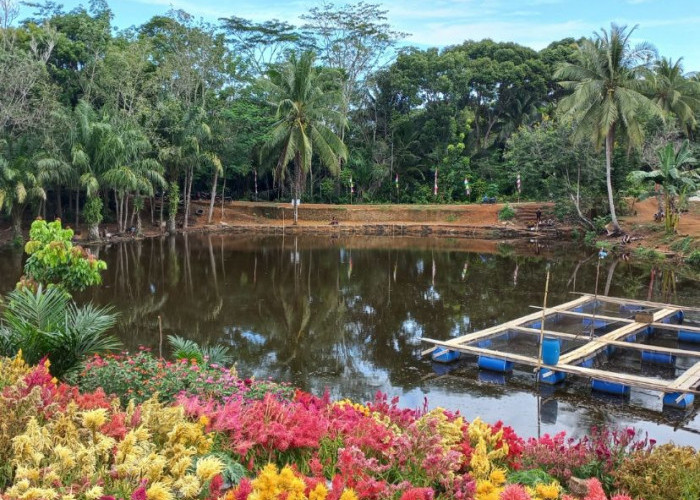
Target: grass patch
683	246
648	253
693	259
451	218
506	213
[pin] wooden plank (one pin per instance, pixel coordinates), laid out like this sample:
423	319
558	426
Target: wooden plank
646	303
496	330
625	345
671	326
611	319
527	360
687	380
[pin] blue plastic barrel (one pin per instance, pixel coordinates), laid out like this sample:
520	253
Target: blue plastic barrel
598	323
484	344
495	364
678	400
550	351
586	363
661	358
610	387
444	355
685	336
679	317
549	377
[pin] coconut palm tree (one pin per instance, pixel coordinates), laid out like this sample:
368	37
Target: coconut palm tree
608	93
305	99
675	93
674	177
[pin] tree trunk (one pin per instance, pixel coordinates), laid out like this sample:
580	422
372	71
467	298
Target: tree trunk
116	209
77	207
213	195
17	212
93	232
609	138
59	205
162	203
297	181
188	192
139	227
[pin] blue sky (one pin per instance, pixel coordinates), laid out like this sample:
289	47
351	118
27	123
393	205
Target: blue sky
671	25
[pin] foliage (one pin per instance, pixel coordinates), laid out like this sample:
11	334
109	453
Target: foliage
667	471
693	259
54	260
506	213
47	324
683	245
141	376
305	447
648	253
189	350
92	212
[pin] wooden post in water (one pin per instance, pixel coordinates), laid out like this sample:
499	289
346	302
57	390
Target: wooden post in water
544	309
160	336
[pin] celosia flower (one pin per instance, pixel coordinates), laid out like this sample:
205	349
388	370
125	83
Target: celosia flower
348	494
549	491
159	491
94	419
514	492
208	467
94	493
319	492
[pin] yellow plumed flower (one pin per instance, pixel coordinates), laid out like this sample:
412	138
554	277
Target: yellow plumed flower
159	491
498	476
348	494
40	494
486	490
94	419
549	491
188	486
208	467
94	493
320	492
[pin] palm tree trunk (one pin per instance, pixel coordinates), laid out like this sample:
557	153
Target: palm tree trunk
213	195
188	193
297	181
59	206
609	139
17	211
77	207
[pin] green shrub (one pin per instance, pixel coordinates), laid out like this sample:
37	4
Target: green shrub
648	253
506	213
190	350
54	260
693	259
46	323
92	211
590	238
139	376
684	245
665	472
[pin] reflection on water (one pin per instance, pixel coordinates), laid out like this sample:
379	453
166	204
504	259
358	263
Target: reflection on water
347	315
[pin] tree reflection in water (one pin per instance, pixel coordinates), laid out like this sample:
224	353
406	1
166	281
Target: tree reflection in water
321	312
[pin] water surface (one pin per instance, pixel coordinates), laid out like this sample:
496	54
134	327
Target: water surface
346	315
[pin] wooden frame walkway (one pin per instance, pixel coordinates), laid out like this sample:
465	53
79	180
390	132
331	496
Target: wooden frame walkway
573	362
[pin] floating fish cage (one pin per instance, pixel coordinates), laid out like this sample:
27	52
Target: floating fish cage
618	344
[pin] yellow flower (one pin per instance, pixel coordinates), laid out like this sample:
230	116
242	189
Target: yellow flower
320	492
188	486
94	419
40	494
486	490
204	420
208	467
94	493
159	491
549	491
348	494
498	476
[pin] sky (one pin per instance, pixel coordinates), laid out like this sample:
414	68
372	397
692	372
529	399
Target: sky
670	25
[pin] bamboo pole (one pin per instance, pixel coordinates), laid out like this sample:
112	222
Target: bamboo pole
544	308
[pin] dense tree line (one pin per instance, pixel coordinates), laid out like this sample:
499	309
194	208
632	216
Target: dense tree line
99	124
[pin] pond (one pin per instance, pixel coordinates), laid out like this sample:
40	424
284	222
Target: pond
346	315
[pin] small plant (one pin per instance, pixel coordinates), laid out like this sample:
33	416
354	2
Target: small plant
46	323
684	245
506	213
693	259
668	471
54	260
648	253
451	218
590	238
190	350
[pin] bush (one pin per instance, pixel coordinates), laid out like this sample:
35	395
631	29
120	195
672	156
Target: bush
54	260
648	253
590	238
140	376
92	211
693	259
46	323
506	213
683	245
665	472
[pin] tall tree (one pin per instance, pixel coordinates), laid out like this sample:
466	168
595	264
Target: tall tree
675	93
305	99
608	93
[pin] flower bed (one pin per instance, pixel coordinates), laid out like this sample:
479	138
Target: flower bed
263	442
